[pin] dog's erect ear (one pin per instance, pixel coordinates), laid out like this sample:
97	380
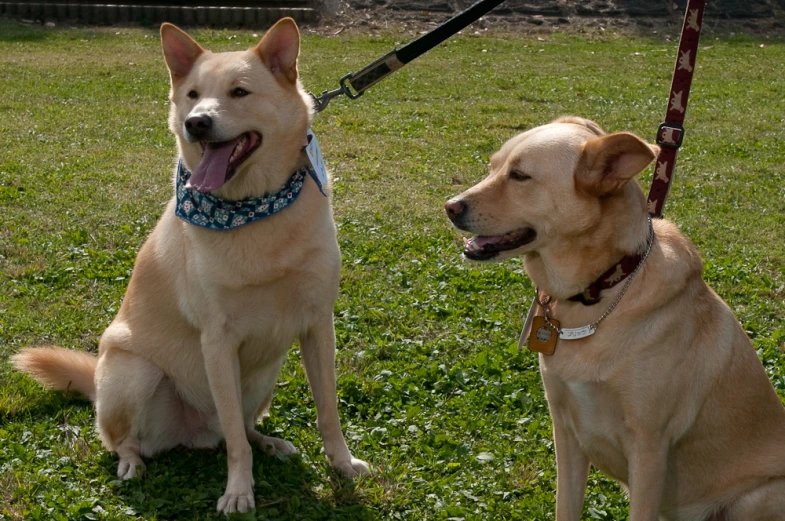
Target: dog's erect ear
279	49
180	50
608	162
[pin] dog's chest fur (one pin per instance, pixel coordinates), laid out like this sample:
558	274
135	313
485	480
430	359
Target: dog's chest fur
594	415
268	289
582	401
264	287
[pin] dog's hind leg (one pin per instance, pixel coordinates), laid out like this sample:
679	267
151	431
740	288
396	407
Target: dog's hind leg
766	503
268	444
131	464
137	411
123	382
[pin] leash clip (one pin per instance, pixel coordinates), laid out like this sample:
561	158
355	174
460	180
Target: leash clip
320	102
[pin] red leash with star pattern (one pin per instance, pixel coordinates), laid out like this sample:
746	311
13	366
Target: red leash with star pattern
669	137
671	133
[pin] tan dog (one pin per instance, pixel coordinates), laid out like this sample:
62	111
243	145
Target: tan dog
668	395
193	355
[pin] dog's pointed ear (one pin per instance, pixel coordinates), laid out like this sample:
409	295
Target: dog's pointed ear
279	49
608	162
180	50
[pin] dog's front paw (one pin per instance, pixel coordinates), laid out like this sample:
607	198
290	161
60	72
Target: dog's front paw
236	501
352	468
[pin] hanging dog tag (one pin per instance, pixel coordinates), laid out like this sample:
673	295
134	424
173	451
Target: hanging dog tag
527	326
317	161
543	338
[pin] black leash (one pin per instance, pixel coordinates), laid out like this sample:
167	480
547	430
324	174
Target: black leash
354	85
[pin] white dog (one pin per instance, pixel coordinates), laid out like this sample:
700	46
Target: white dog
194	352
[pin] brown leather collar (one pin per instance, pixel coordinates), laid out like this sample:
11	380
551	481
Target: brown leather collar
612	276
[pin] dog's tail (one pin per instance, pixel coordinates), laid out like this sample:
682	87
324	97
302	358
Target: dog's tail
59	368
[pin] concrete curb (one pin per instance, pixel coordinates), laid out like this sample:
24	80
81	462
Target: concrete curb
101	14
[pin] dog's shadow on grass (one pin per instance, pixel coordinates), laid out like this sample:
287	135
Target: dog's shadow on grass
186	484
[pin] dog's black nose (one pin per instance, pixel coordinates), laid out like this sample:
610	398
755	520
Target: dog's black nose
454	207
199	126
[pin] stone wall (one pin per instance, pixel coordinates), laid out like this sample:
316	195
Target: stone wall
147	14
716	9
261	13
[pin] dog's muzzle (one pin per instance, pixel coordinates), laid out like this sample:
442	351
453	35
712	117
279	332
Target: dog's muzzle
485	247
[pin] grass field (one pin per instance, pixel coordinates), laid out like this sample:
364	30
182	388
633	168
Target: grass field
433	391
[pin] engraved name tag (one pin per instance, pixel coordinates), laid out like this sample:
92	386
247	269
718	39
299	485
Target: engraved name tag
574	333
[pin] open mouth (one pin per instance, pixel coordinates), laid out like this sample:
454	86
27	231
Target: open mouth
220	160
484	247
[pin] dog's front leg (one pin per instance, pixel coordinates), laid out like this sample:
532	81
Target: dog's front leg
648	466
572	472
222	364
318	350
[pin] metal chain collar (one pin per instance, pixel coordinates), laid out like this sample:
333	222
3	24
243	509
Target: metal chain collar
593	326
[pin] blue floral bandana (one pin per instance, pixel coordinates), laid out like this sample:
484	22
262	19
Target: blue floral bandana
208	211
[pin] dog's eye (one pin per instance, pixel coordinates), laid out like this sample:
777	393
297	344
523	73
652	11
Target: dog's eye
193	94
516	175
239	92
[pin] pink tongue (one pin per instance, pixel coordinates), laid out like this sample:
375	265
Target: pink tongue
212	170
483	241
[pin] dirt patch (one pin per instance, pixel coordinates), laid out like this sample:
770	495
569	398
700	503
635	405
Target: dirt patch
764	17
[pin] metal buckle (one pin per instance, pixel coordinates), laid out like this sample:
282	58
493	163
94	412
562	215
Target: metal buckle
674	128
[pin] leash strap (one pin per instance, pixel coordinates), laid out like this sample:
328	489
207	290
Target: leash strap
354	85
670	134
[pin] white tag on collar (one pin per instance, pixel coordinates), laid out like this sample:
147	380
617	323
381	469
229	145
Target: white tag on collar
527	325
317	162
574	333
